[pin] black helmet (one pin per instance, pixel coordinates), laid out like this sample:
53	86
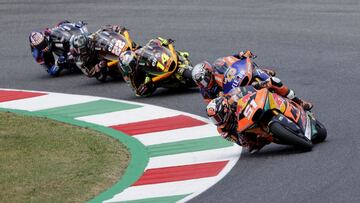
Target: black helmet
218	111
38	40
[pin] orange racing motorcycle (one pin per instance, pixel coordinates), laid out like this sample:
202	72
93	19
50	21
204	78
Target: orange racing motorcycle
276	119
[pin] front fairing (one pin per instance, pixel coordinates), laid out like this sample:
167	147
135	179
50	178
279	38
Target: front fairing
249	106
155	60
110	44
238	74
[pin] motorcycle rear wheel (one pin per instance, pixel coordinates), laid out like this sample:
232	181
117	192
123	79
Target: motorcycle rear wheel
289	137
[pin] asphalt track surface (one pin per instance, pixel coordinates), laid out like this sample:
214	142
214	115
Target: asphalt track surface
314	46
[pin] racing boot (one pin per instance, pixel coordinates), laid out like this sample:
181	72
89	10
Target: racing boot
269	71
307	106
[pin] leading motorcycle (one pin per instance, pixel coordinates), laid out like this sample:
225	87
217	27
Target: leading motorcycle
277	119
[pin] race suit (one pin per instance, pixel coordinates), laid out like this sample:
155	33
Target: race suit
57	39
220	68
90	61
144	86
229	130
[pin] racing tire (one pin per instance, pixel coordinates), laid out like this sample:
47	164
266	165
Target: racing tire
289	137
321	133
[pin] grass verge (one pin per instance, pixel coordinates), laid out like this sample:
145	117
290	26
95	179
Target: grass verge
47	161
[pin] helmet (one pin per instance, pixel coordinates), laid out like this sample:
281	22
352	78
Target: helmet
79	43
127	62
202	75
38	40
218	111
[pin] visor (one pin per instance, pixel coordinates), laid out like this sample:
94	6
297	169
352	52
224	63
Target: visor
201	80
221	116
216	120
38	41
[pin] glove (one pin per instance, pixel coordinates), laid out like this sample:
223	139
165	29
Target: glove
54	70
269	71
170	41
165	41
141	90
246	54
47	31
100	68
102	64
61	61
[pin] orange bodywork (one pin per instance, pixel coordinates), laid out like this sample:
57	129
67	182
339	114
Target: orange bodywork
249	107
250	103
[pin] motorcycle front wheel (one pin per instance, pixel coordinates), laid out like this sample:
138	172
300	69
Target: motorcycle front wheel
286	136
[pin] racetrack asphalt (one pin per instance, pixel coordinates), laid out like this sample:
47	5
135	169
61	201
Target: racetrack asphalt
314	46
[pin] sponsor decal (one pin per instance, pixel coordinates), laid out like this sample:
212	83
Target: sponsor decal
277	100
308	129
230	75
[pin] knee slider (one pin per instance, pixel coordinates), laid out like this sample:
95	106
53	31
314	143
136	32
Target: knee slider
276	82
291	94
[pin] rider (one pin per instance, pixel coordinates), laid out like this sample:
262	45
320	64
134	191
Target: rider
129	63
87	55
55	41
221	112
210	80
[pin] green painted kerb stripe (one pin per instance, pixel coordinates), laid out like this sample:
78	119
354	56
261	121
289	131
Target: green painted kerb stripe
138	160
188	146
88	108
168	199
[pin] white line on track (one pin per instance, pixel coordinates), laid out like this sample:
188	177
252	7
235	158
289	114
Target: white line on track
182	134
129	116
206	156
46	101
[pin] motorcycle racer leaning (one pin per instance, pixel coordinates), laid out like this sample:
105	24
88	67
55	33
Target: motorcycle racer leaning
210	80
221	112
87	56
129	63
55	41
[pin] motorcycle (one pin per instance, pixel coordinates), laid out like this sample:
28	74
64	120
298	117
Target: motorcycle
60	36
110	45
277	119
166	67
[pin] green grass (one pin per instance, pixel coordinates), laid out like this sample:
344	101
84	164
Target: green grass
46	161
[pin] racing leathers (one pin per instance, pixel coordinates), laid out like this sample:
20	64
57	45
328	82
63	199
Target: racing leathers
260	78
89	57
144	86
50	47
229	129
